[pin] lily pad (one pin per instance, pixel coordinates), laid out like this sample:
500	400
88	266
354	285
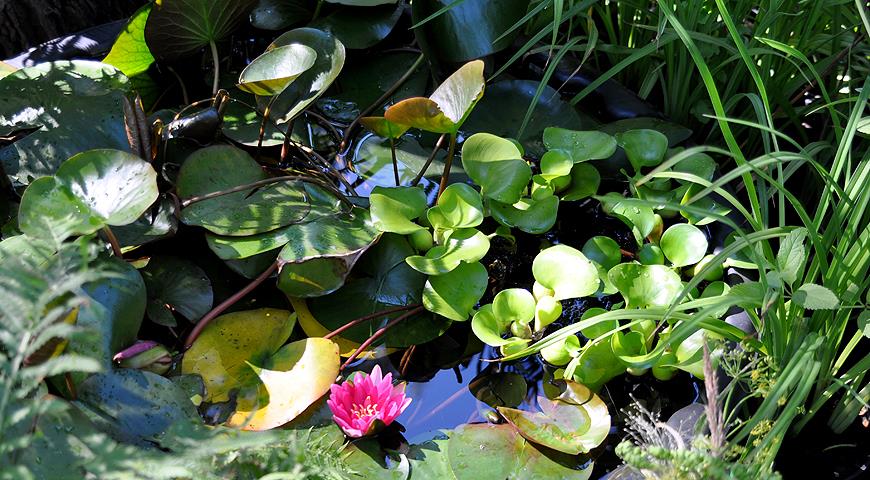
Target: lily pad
130	53
449	105
157	223
312	362
460	206
395	209
496	165
383	128
359	28
646	285
565	271
580	145
454	294
56	99
374	163
314	81
643	147
463	245
575	422
176	285
280	14
684	244
272	71
177	28
529	215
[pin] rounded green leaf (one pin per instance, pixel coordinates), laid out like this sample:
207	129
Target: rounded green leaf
646	285
488	327
529	215
603	250
597	365
478	451
463	245
566	271
580	146
684	244
395	209
496	165
594	331
815	297
50	211
176	28
643	147
699	164
650	254
272	71
640	218
454	294
547	311
361	28
514	305
383	128
176	284
584	183
460	206
556	163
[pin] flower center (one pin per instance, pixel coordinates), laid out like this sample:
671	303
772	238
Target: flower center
367	410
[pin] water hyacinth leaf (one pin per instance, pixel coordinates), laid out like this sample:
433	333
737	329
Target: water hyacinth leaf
556	163
497	165
585	181
815	297
640	218
177	28
312	362
684	244
599	329
220	355
359	28
454	294
547	311
643	147
529	215
381	280
580	146
272	71
699	164
314	81
565	271
130	53
629	344
514	305
382	127
709	204
134	406
603	250
176	284
395	209
56	99
320	254
463	245
460	206
488	327
449	105
573	423
675	132
221	167
645	286
596	366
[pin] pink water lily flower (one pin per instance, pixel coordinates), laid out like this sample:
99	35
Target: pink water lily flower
365	403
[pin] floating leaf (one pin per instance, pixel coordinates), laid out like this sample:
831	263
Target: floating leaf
176	284
463	245
580	145
374	163
455	293
496	165
130	53
177	28
595	366
815	297
56	99
514	305
565	271
646	285
312	363
529	215
272	71
395	209
640	218
488	327
460	206
157	223
643	147
383	127
360	28
603	250
585	181
449	105
684	244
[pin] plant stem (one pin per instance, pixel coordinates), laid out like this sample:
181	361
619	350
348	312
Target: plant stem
429	160
113	241
447	162
370	316
395	163
217	67
261	183
383	98
211	315
378	334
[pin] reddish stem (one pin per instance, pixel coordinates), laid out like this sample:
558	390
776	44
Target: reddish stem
378	334
370	316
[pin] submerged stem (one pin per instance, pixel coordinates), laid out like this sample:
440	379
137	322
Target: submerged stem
395	163
370	316
378	334
429	160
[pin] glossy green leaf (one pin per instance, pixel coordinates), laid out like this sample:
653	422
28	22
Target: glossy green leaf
460	206
280	14
51	212
465	245
603	250
815	297
547	311
395	209
359	28
488	327
675	132
314	81
496	165
383	127
57	99
449	105
454	294
684	244
584	183
220	355
640	218
646	285
428	457
158	222
130	53
272	71
514	305
381	280
643	147
599	329
699	164
176	285
177	28
580	145
628	344
566	271
529	215
650	254
596	366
